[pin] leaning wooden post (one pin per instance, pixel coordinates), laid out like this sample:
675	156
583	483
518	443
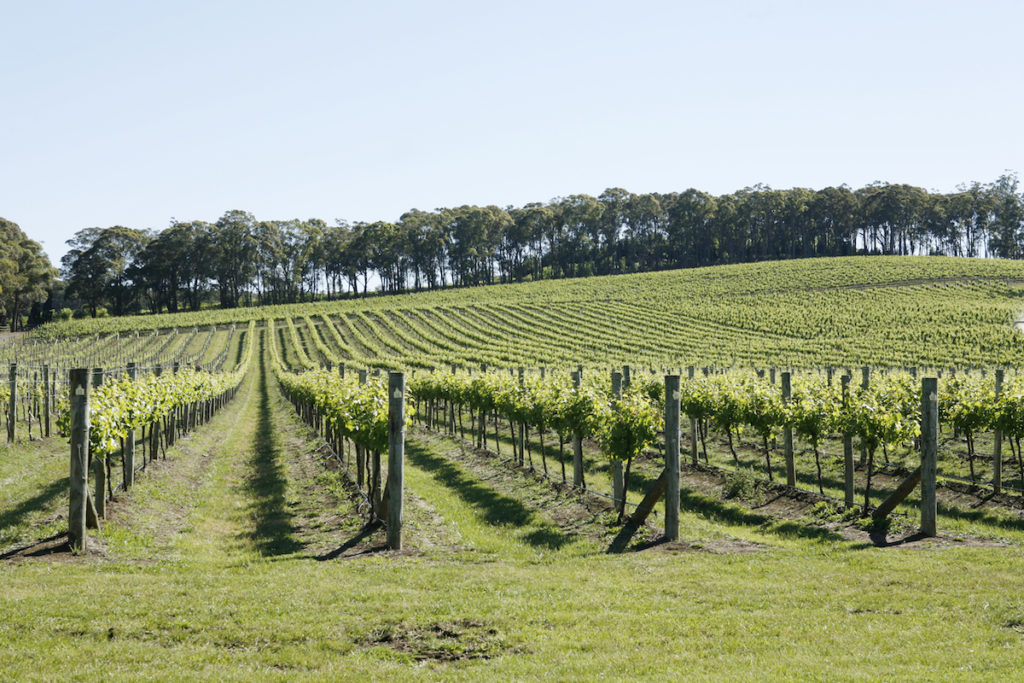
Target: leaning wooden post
847	448
690	372
787	433
997	442
99	471
577	441
618	486
46	399
672	457
13	403
128	460
929	453
79	384
396	457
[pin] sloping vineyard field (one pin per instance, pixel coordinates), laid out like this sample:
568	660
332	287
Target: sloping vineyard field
878	311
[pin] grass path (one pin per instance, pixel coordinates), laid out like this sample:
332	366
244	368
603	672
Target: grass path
248	486
33	490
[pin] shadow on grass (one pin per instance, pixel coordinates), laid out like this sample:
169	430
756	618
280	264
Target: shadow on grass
364	533
13	517
495	508
272	533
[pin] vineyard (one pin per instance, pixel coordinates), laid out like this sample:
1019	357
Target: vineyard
256	447
878	311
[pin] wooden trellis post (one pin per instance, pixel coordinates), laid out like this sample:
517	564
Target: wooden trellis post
128	459
522	425
396	458
865	382
618	486
46	400
997	443
577	441
12	403
672	457
99	471
78	386
690	372
929	453
787	434
847	449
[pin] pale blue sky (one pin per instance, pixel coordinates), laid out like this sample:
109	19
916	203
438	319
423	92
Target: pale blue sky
133	112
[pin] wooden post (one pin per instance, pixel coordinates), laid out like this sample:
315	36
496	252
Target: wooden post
128	461
627	377
47	397
99	471
787	434
12	403
577	441
79	406
360	451
865	382
690	372
997	443
618	486
396	457
847	448
929	453
672	457
522	425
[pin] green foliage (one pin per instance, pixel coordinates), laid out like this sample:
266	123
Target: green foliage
120	406
740	483
630	426
883	311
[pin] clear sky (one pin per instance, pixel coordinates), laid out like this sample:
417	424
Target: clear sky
131	113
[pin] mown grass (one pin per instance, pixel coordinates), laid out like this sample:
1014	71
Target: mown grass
33	490
786	613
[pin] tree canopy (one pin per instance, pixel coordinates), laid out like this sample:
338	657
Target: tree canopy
25	273
239	259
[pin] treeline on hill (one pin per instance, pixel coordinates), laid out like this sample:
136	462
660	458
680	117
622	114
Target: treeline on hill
26	275
239	260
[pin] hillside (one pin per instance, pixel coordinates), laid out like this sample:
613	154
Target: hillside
881	311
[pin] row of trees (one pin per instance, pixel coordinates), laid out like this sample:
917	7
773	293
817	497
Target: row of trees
239	260
26	275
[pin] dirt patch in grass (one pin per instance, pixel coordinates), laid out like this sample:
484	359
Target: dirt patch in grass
441	641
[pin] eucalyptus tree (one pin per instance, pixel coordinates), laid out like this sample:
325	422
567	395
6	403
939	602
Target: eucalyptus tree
235	251
99	266
1007	226
26	275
